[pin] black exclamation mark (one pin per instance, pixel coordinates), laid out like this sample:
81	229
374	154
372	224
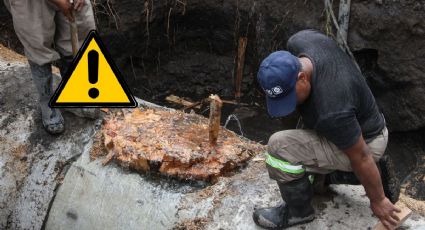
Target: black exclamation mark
93	59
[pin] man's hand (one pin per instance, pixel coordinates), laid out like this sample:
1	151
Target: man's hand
366	170
385	211
66	7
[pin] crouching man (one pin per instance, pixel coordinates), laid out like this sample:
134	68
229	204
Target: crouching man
345	130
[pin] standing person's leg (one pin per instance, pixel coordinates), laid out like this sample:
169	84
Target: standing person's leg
34	25
85	23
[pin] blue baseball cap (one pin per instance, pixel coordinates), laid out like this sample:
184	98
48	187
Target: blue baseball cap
277	76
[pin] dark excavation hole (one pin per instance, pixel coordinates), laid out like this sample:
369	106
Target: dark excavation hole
404	148
368	62
192	56
375	76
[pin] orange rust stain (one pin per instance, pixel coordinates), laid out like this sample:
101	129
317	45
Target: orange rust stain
173	143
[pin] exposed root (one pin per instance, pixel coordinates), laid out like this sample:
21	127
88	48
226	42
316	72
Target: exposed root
105	9
147	13
168	23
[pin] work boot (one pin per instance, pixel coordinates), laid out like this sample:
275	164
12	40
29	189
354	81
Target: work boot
296	208
341	177
52	118
390	181
93	113
322	181
319	185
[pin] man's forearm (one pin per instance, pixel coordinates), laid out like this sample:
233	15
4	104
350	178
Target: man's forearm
366	170
368	174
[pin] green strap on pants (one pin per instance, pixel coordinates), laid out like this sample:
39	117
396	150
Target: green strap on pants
284	165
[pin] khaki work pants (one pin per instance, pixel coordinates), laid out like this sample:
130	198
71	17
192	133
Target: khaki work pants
44	31
291	153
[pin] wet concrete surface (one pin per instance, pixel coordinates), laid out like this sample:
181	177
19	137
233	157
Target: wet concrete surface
37	191
31	160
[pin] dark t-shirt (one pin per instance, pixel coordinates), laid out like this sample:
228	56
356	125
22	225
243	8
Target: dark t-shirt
340	106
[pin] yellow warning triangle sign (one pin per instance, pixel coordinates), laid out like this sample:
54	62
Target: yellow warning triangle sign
93	80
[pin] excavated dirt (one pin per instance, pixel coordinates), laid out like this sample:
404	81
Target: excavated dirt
173	143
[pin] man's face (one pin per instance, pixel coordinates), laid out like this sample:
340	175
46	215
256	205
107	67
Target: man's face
302	88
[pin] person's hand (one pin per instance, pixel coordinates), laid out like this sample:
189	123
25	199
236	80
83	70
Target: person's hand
78	4
65	7
385	211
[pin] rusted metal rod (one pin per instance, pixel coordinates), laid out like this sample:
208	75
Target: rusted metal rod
215	116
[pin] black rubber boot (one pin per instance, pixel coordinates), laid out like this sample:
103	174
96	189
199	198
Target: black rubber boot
341	177
296	209
322	181
52	118
390	181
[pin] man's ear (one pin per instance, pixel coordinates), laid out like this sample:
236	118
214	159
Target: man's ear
302	76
